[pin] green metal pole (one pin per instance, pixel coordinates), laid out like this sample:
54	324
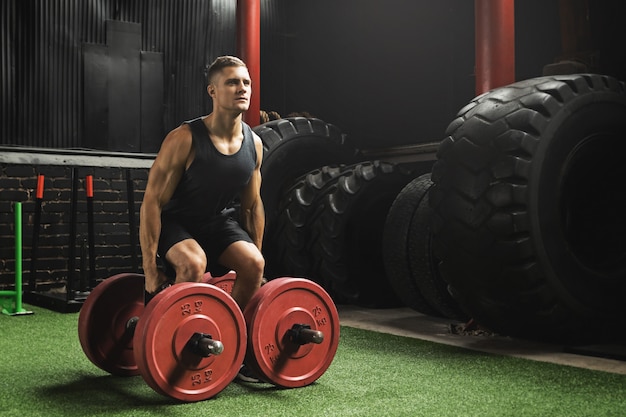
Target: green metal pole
18	258
17	294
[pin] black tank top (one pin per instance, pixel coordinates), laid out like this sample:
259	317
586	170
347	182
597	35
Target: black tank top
213	179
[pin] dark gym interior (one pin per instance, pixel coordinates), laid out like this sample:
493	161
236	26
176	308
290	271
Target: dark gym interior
425	204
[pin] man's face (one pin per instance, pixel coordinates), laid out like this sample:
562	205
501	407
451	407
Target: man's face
231	89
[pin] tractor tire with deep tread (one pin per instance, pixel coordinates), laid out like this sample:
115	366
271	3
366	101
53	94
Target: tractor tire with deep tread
298	208
346	238
292	147
530	208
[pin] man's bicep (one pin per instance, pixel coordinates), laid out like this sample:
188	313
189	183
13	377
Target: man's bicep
165	173
157	182
171	161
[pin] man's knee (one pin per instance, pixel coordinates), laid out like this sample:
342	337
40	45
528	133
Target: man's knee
188	260
254	264
259	263
191	270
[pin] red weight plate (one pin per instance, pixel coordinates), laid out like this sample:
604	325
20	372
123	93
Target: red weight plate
166	327
271	312
102	323
224	282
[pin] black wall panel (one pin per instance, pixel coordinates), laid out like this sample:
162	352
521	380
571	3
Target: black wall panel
124	89
95	106
151	101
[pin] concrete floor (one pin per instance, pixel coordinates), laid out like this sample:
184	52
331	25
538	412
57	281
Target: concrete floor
409	323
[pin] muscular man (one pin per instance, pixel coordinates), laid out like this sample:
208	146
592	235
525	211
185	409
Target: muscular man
202	166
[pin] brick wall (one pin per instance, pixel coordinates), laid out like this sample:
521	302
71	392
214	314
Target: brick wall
112	234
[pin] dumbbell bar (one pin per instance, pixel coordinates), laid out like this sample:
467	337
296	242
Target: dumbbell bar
286	318
176	342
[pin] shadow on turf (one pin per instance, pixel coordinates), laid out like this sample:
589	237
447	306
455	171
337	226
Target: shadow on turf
105	392
257	386
112	393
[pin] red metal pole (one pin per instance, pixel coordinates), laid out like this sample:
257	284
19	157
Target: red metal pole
32	283
495	43
90	236
249	50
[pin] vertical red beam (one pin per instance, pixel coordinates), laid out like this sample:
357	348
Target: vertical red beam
495	43
249	50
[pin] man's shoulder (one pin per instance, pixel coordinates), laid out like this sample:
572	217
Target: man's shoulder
178	136
181	132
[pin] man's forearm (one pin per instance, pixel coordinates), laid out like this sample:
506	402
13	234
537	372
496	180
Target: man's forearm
254	223
149	231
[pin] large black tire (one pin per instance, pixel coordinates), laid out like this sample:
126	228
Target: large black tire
346	238
530	208
293	147
298	207
396	254
423	263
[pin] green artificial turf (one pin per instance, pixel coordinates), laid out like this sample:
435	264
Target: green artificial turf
45	373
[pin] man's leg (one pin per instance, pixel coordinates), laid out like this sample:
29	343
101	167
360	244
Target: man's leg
247	261
188	260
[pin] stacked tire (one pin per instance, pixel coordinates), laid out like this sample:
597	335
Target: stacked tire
325	212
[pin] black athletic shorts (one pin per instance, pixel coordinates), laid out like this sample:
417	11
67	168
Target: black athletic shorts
214	237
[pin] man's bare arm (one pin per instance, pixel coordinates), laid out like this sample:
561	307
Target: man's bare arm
165	174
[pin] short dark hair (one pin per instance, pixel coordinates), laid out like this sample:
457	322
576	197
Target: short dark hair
222	62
